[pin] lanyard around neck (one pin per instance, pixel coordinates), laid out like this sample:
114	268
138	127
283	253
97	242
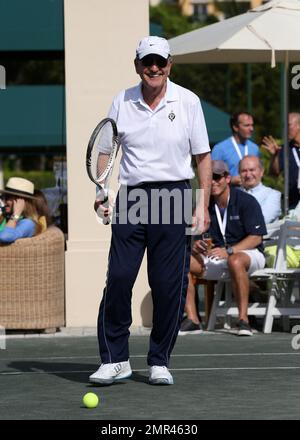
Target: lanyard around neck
222	222
297	160
237	149
296	157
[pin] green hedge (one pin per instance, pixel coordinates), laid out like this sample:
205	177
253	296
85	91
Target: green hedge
41	179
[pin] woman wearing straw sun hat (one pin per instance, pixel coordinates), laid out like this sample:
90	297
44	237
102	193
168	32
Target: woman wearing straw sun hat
19	217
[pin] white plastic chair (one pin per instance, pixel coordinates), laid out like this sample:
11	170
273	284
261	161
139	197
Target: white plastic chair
281	299
282	280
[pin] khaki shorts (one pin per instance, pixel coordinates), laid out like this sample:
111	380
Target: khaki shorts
216	269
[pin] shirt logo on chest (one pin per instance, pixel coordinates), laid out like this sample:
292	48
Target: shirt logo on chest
171	116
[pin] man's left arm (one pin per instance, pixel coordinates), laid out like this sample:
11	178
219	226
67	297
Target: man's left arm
204	175
249	242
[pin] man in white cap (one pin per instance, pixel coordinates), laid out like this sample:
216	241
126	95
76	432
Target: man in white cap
161	125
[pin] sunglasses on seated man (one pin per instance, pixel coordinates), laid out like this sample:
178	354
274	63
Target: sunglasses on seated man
149	60
217	177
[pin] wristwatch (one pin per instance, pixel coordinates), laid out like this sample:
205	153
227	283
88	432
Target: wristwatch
15	217
229	250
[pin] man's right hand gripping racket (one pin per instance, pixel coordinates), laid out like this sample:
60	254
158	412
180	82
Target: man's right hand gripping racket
101	153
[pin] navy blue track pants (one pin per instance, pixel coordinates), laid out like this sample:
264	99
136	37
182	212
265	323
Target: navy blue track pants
168	255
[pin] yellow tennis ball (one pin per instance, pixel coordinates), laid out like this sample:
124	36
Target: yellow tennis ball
90	400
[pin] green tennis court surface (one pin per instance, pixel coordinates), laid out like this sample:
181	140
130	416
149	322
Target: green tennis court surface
217	376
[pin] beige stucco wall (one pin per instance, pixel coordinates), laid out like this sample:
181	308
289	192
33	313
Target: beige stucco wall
100	41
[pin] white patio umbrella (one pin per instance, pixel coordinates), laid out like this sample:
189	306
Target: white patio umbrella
269	33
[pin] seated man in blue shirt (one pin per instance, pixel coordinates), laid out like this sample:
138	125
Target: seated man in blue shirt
237	146
237	228
251	171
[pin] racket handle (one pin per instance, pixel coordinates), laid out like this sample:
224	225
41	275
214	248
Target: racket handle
97	207
106	220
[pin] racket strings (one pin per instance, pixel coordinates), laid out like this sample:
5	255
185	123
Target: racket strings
104	152
104	164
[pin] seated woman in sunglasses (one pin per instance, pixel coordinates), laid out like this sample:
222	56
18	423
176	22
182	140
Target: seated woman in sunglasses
19	217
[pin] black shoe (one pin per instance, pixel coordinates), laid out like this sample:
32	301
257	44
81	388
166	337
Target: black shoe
253	322
188	327
244	328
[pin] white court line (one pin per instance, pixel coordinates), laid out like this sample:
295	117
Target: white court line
142	370
294	353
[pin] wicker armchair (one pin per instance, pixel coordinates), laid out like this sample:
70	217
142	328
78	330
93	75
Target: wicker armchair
32	282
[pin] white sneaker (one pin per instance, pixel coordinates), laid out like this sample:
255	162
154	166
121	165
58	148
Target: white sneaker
159	375
109	373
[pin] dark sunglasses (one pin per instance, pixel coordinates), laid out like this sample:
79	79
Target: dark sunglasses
217	177
149	60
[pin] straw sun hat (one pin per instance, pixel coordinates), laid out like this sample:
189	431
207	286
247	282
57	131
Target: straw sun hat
19	187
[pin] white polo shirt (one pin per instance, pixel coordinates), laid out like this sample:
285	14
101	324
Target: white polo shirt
158	145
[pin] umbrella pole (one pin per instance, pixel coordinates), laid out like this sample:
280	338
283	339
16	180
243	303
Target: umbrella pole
285	131
249	88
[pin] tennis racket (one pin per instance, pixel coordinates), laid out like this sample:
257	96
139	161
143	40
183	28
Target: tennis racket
101	153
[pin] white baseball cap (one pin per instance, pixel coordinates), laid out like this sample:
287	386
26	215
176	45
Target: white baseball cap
153	45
